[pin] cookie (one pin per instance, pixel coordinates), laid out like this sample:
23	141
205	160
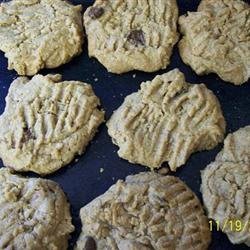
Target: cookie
47	122
38	34
225	187
132	35
216	39
146	211
34	213
166	121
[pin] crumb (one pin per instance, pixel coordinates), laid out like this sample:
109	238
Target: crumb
76	160
101	170
163	171
134	75
96	79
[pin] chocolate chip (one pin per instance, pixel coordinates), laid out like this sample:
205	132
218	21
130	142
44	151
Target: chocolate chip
96	12
13	144
90	243
27	135
136	37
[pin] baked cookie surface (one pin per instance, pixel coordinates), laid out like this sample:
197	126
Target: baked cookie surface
34	213
132	35
225	187
166	121
38	34
47	122
216	39
236	147
146	211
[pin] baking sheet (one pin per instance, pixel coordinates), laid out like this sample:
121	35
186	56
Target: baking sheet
82	180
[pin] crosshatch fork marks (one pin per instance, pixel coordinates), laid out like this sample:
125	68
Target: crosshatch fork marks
47	122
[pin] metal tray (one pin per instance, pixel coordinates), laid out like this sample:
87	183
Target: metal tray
82	180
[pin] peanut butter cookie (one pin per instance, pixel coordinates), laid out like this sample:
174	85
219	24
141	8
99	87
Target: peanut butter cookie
225	187
146	211
167	120
38	34
34	213
132	35
47	122
216	39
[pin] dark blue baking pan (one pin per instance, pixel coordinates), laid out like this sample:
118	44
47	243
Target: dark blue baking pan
82	180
